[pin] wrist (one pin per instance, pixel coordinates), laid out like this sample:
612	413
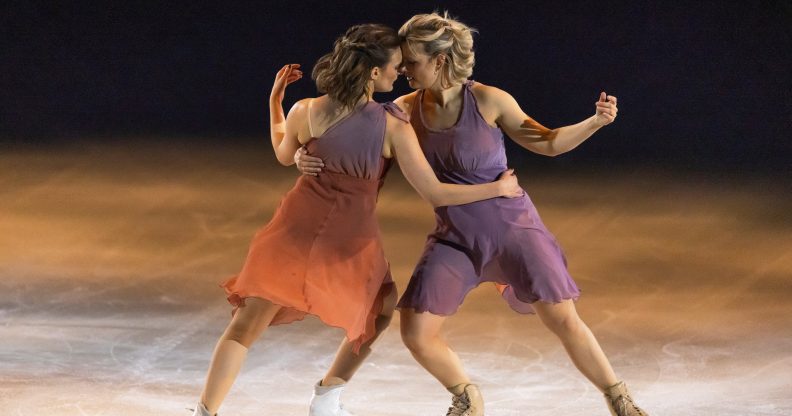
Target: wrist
594	123
501	189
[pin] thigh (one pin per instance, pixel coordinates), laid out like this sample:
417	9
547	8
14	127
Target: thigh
441	280
557	315
420	325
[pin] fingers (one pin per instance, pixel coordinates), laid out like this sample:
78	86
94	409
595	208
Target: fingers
607	108
290	71
293	73
304	164
298	154
311	160
507	175
311	171
609	117
605	99
308	165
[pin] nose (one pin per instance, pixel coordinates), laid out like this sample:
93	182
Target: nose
401	68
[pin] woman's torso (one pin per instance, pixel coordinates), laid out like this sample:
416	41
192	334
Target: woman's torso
470	152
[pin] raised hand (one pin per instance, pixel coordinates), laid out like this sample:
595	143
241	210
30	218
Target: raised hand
284	77
606	109
306	164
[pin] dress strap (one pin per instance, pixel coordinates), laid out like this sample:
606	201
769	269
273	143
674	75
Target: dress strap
395	111
310	125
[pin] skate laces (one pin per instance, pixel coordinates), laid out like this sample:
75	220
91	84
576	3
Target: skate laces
623	404
459	405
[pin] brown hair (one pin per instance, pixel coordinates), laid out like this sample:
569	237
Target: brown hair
344	73
443	34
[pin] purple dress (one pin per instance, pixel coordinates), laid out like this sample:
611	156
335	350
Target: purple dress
499	240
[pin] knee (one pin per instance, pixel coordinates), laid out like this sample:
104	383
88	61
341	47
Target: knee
565	325
383	321
416	341
241	333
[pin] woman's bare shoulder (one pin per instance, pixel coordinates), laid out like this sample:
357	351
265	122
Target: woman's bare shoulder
405	102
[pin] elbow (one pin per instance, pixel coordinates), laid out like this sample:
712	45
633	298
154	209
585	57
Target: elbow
552	149
285	161
436	201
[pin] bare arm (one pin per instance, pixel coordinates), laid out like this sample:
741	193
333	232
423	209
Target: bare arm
401	137
283	130
537	138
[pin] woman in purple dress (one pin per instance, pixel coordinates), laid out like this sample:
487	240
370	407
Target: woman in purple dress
460	125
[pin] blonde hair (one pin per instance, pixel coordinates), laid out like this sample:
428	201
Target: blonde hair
442	35
344	73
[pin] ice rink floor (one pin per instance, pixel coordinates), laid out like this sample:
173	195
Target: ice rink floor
111	255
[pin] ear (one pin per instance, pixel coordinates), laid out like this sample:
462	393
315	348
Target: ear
440	60
375	73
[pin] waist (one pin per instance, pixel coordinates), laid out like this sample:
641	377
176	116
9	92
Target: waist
484	208
340	182
470	176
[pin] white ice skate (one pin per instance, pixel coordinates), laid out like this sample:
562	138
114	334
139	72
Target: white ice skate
200	410
326	401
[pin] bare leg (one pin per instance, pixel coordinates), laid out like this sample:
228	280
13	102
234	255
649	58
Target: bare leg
584	350
346	362
246	326
421	334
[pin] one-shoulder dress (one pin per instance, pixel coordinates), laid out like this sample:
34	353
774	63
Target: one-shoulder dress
321	253
499	240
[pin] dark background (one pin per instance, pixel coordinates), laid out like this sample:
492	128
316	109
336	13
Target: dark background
700	84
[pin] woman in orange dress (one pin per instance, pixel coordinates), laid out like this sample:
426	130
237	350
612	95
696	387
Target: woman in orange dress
321	253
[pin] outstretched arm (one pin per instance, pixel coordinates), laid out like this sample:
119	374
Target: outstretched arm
283	130
417	171
537	138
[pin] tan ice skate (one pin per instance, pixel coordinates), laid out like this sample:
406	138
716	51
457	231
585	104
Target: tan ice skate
620	403
467	401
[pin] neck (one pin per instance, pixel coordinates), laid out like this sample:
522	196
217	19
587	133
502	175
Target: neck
443	96
369	92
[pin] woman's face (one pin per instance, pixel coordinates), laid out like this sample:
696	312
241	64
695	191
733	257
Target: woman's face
419	68
388	73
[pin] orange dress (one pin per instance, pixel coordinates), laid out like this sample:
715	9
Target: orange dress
321	253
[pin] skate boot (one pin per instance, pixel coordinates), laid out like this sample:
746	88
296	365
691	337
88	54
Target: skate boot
620	403
200	410
326	401
467	401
